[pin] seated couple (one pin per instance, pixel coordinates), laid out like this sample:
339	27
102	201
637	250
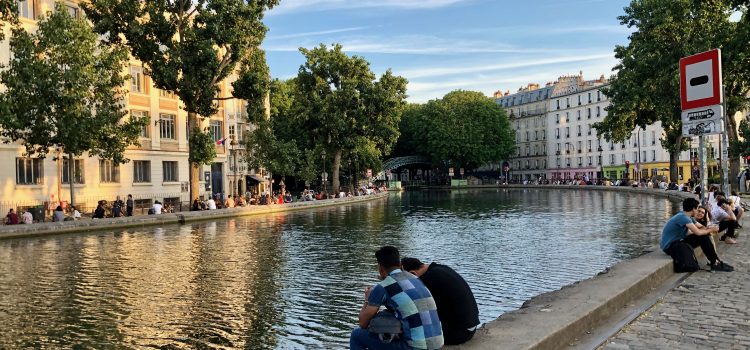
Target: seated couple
682	233
433	304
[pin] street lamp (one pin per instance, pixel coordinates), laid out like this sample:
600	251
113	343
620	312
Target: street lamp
601	162
233	151
350	174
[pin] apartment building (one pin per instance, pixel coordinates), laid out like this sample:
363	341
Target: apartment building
158	167
527	111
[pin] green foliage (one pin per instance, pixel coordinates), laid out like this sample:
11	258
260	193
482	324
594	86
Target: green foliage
340	103
63	89
202	147
188	47
646	87
254	84
463	129
8	14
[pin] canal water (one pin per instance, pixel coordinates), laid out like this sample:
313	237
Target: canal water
296	280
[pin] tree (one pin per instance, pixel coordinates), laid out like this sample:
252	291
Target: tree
64	90
343	106
646	87
187	47
8	14
463	129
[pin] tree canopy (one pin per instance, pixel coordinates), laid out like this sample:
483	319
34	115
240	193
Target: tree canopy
188	47
64	90
344	109
646	87
463	129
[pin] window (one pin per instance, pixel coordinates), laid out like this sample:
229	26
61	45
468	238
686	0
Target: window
166	94
579	130
588	113
653	137
29	171
558	147
567	131
567	101
231	131
611	159
141	171
622	156
557	118
653	156
598	97
137	82
558	104
25	8
146	129
567	117
544	149
589	98
644	157
536	135
73	11
589	129
167	126
109	172
598	111
635	156
544	164
579	100
77	171
579	147
527	136
170	171
217	130
589	143
558	162
578	115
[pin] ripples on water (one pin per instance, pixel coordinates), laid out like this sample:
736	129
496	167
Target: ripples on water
296	281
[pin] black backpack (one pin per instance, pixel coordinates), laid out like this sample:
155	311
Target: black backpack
684	258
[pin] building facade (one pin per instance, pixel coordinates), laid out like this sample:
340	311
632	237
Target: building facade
158	168
527	110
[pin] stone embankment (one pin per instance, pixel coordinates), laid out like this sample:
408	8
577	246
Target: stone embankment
48	228
561	319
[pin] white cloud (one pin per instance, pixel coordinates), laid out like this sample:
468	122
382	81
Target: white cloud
314	33
408	44
474	67
317	5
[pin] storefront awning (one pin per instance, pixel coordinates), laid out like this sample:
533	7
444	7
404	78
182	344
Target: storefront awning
257	178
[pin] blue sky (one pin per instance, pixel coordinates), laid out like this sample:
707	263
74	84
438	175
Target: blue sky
444	45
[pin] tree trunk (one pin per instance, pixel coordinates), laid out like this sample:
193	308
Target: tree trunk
335	171
71	179
194	173
674	174
734	160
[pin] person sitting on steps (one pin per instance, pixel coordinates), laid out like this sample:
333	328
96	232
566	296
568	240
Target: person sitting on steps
682	229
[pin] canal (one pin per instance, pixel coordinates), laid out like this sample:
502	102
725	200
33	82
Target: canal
296	280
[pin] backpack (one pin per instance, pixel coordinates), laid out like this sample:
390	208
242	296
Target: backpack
684	258
385	325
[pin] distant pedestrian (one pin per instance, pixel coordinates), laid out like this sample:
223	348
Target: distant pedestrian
11	218
129	205
58	215
117	207
27	217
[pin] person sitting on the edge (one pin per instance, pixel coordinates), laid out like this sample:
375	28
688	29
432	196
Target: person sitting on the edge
455	302
683	229
411	301
723	215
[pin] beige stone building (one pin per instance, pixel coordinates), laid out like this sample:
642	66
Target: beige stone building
158	168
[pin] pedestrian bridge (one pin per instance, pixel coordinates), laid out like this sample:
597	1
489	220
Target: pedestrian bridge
399	162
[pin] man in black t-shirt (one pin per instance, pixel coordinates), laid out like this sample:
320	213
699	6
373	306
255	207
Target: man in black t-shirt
456	306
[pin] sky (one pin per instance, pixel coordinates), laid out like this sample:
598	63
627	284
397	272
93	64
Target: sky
446	45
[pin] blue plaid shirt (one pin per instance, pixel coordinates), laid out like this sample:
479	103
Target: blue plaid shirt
412	303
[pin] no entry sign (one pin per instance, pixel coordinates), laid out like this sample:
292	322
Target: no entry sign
701	94
700	80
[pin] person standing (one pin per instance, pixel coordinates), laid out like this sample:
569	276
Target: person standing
129	205
411	301
117	207
456	305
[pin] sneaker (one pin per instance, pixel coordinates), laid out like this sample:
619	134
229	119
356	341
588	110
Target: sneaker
730	240
722	267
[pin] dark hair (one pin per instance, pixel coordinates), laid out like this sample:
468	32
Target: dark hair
59	208
387	256
689	204
411	264
721	201
734	193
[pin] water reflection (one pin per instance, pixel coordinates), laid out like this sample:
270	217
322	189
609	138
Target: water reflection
296	280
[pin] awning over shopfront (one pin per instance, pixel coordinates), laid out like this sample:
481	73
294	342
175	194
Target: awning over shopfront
256	178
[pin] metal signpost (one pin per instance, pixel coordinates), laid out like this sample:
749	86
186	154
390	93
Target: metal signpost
702	102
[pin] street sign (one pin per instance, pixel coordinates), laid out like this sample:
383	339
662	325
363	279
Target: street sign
700	80
450	172
702	121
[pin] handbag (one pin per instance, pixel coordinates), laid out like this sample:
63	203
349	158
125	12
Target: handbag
385	325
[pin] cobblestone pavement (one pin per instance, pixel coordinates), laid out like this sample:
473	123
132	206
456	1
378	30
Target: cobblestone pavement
708	310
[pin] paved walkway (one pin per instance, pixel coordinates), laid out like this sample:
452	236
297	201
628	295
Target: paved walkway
708	310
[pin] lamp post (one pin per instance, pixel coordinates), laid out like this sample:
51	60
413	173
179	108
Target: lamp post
233	152
350	174
601	162
324	175
356	173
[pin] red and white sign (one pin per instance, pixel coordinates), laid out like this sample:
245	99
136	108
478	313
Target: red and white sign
700	80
